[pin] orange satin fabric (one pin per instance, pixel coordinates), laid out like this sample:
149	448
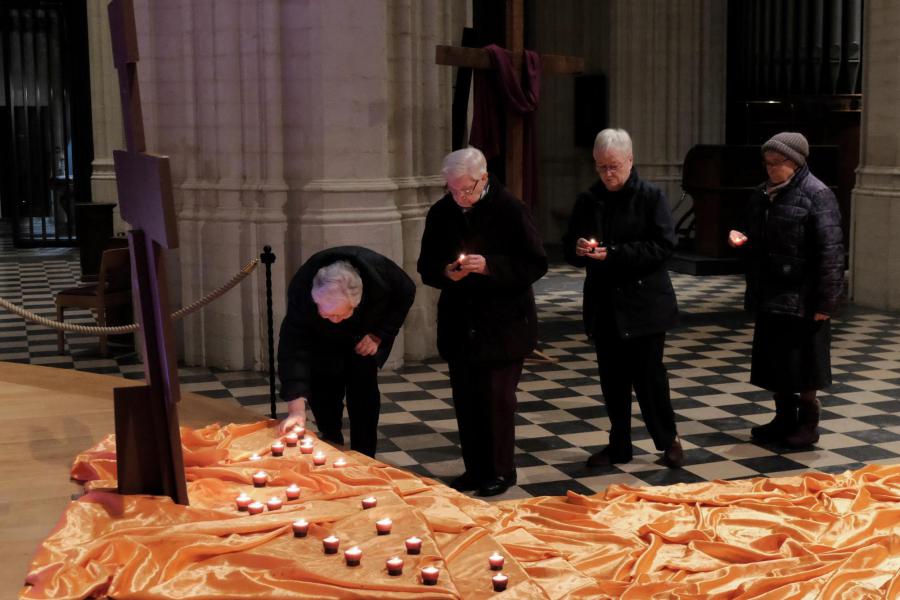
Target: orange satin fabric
807	536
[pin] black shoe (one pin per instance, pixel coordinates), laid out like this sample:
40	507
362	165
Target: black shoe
784	423
465	483
674	456
497	485
607	458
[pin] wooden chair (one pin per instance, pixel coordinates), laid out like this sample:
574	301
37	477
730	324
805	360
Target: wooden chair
113	288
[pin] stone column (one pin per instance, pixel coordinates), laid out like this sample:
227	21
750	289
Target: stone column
875	226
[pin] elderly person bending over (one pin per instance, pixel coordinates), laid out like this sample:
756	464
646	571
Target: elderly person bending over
345	307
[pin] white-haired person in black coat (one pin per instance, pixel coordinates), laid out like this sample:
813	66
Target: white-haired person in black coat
792	241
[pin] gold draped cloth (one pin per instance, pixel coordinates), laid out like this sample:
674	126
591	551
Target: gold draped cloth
806	536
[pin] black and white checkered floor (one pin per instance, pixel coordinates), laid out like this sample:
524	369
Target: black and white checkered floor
561	420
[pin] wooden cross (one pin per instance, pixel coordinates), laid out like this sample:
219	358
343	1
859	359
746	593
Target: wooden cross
477	58
148	440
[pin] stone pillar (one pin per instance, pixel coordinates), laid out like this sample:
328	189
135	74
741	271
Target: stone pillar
875	226
665	65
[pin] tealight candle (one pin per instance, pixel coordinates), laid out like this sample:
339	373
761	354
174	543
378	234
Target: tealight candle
340	463
459	261
500	582
430	575
291	439
413	545
496	560
370	502
394	565
306	447
300	430
273	503
383	526
300	527
277	448
254	508
593	244
319	459
353	556
330	544
292	492
260	478
255	456
243	501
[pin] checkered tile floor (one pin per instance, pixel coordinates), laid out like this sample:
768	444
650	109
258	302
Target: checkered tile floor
561	420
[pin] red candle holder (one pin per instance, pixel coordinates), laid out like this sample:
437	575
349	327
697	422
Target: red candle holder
500	582
254	508
300	430
306	447
383	526
413	545
291	439
319	459
243	501
496	561
369	502
394	565
353	556
300	527
277	448
331	544
274	503
260	478
292	492
430	575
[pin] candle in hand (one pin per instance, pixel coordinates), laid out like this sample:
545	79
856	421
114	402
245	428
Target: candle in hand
459	262
496	561
383	526
369	502
273	503
593	245
330	544
254	508
243	501
394	565
413	545
292	492
260	478
319	459
277	448
353	556
300	527
500	582
430	575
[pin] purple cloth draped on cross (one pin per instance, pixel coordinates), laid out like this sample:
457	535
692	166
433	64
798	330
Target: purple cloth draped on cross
498	85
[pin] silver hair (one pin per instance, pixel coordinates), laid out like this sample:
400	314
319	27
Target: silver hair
613	139
337	283
468	161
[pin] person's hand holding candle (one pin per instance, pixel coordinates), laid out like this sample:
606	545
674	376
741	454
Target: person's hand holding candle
736	239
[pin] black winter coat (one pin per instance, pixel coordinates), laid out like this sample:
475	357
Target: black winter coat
484	318
307	341
630	291
794	249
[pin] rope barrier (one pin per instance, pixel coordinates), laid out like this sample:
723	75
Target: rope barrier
120	329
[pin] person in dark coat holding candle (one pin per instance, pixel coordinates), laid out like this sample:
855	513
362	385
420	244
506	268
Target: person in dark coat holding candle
345	307
621	232
792	241
480	247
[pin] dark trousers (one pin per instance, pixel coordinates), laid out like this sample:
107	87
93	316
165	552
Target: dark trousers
484	396
627	364
358	381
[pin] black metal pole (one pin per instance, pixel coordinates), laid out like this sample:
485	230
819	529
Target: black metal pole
267	258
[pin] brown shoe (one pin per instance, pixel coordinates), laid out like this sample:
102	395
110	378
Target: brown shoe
674	456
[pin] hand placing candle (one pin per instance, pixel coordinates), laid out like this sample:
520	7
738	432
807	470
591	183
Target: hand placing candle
300	430
254	508
292	492
394	565
277	448
243	501
260	478
413	545
330	544
274	503
369	502
300	527
430	575
496	561
353	556
383	526
500	582
319	459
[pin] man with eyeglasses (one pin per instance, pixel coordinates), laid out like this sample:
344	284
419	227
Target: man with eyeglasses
793	244
621	233
481	249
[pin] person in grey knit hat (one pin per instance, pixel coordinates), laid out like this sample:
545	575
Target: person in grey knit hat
793	244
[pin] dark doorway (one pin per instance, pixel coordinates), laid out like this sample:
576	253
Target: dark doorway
45	121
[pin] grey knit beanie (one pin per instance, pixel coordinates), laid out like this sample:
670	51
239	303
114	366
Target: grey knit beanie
790	144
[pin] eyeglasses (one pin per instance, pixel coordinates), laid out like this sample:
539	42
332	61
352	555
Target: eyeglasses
467	192
774	163
611	169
